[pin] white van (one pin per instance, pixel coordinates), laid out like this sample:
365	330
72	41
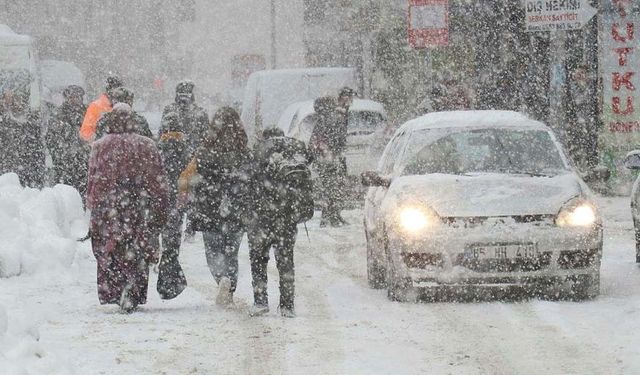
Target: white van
269	92
17	52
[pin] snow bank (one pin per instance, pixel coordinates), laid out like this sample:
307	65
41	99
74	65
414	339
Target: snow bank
38	228
22	353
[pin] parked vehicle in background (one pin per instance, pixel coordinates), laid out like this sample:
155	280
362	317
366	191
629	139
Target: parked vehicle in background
480	201
632	161
56	76
365	137
269	92
18	53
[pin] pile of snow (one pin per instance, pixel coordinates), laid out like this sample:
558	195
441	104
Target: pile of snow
22	353
38	228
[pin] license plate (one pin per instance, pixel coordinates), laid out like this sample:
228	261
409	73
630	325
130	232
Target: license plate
502	251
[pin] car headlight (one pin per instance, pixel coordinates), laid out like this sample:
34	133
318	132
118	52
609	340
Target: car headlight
415	219
577	214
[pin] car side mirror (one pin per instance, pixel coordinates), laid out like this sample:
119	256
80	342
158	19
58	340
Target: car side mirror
632	161
373	179
598	174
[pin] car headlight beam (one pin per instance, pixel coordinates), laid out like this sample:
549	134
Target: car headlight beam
580	214
415	219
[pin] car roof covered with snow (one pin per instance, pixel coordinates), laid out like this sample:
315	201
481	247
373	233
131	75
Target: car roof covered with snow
305	108
9	37
472	119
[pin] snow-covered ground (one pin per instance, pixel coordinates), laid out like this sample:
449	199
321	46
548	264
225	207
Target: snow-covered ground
342	325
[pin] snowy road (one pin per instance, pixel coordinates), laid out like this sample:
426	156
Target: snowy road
342	325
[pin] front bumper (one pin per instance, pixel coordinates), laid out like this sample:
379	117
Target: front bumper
440	256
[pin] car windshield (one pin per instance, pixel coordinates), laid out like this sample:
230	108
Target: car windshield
447	151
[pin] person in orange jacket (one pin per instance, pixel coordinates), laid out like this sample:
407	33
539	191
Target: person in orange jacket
97	108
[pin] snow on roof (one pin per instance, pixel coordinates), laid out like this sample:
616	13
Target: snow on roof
8	36
472	119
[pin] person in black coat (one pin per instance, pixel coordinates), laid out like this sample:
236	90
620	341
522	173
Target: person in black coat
218	178
327	143
275	221
69	154
194	120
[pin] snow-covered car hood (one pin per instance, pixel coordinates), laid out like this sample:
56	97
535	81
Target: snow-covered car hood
485	195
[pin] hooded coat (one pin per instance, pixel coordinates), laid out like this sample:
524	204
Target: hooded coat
127	194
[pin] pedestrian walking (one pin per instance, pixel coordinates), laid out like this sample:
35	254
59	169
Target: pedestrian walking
70	155
97	108
282	198
128	195
218	176
194	122
327	143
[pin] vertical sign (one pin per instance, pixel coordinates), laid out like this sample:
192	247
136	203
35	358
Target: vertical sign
428	23
620	61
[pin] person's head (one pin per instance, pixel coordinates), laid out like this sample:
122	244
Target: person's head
184	93
74	95
121	120
112	83
226	130
122	95
345	96
325	105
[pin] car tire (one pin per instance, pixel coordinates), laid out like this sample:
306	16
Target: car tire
398	289
376	273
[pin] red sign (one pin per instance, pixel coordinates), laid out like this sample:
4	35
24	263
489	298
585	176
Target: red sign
428	23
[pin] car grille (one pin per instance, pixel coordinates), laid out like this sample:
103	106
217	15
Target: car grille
477	221
423	260
505	265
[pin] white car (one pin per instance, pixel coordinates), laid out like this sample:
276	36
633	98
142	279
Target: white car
479	201
365	135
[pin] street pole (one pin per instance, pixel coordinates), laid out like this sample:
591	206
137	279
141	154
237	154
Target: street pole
273	35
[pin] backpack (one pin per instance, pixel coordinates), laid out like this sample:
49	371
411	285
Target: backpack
288	165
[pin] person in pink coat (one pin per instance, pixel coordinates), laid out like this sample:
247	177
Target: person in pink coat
127	194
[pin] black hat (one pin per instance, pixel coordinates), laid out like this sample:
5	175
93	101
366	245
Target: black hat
113	82
185	87
347	91
73	90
